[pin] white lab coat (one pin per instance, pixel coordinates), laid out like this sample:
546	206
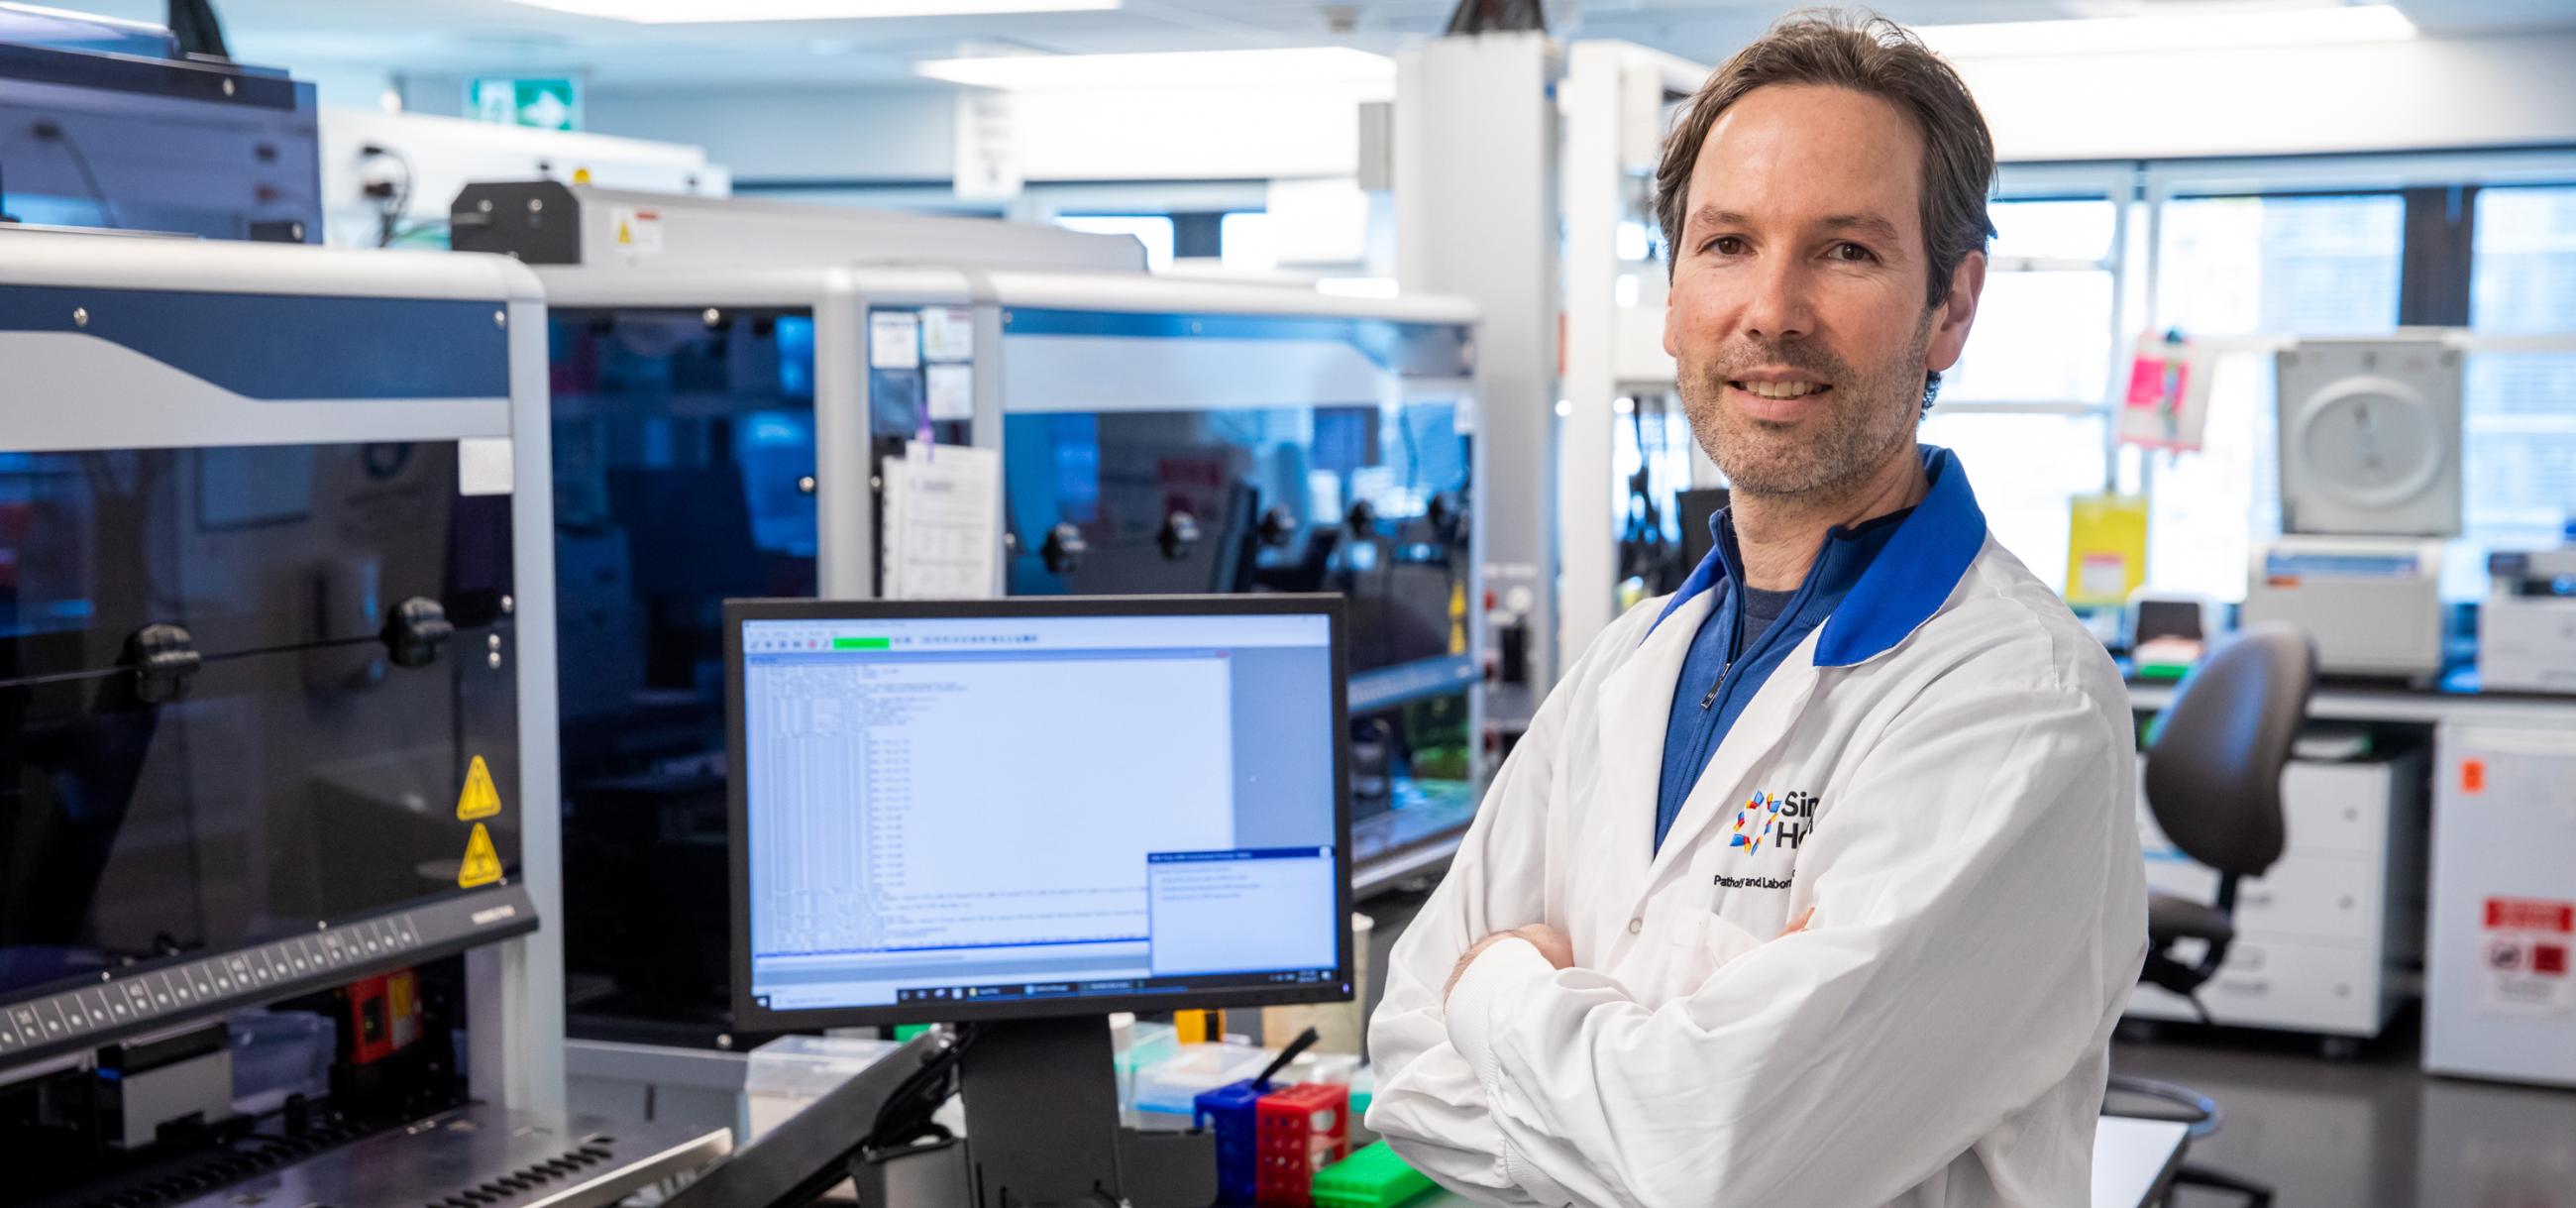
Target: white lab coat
1961	756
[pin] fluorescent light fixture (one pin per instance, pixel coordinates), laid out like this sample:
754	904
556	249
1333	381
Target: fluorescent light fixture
2205	29
712	12
1171	69
1356	287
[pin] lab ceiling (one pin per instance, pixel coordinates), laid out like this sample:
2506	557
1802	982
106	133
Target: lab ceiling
502	37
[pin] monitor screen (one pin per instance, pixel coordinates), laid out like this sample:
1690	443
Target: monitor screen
1037	807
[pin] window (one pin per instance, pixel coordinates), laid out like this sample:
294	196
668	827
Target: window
2040	337
2043	332
2025	468
2043	336
2307	266
1153	230
2521	407
2058	229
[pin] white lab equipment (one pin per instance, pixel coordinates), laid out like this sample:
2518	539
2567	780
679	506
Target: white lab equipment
2499	995
2370	437
2372	604
2527	624
2370	484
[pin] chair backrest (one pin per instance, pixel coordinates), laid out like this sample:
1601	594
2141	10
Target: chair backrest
2214	762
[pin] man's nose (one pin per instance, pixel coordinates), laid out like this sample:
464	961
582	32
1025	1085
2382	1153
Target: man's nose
1780	308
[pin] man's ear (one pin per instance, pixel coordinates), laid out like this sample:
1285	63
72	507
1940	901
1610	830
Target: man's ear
1955	314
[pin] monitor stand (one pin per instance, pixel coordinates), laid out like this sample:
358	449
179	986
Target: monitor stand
1042	1113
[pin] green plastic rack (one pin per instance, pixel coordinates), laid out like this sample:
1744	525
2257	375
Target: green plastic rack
1372	1178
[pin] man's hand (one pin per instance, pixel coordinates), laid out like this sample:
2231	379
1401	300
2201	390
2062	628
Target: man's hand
1550	942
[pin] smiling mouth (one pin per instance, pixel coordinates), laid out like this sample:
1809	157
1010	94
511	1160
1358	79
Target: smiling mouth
1781	390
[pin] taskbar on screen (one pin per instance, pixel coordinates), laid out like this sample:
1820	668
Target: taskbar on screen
1179	987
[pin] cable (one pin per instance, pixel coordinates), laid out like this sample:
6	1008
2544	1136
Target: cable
53	132
389	216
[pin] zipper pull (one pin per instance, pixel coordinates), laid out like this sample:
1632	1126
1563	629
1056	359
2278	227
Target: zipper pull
1714	689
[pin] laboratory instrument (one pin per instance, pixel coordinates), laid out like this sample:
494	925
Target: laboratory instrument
740	388
2370	464
2499	986
276	676
2527	623
108	123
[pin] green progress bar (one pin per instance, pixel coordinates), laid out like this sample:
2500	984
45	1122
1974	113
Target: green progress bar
862	643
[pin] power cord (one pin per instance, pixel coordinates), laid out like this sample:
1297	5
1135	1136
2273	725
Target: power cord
393	201
48	131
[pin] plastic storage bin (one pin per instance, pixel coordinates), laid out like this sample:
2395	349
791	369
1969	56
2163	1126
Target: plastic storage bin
1167	1091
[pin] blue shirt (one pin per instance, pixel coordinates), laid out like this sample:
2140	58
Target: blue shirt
1748	634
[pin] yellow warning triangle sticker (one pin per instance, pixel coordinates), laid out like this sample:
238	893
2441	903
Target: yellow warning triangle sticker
625	234
482	864
480	799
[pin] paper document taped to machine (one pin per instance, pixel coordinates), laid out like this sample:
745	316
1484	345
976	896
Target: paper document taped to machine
942	523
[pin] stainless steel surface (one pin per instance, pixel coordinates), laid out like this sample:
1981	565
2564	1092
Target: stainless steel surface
506	1159
702	1069
1388	872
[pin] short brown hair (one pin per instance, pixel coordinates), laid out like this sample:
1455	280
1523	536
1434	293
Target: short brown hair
1872	55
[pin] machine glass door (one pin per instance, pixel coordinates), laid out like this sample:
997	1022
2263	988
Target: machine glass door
684	475
243	692
1366	500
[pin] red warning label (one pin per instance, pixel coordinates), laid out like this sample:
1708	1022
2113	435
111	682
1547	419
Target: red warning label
2530	914
2527	949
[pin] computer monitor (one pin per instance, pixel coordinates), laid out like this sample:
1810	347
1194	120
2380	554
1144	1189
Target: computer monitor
1023	814
1036	807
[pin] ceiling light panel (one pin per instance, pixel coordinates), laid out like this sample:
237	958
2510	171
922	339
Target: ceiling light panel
2200	30
710	12
1320	65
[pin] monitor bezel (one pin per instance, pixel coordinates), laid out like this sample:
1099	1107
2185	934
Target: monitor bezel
750	1015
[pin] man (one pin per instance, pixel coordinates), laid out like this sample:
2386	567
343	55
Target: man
1818	883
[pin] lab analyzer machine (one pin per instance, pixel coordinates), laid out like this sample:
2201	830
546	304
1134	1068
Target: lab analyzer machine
2527	622
753	399
2370	458
276	749
111	124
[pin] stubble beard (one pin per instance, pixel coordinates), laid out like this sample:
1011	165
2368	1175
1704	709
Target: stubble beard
1870	412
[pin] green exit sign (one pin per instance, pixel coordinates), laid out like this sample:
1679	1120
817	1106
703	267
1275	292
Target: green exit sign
546	103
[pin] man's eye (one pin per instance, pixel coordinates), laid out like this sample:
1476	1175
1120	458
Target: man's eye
1853	251
1727	245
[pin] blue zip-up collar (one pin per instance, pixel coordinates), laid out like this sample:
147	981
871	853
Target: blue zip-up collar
1907	582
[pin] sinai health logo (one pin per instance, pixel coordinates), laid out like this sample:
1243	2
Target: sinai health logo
1778	821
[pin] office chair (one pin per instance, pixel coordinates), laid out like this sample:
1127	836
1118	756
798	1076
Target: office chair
2213	782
